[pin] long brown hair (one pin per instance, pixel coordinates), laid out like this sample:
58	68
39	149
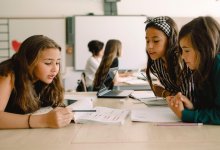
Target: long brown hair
112	50
204	33
22	65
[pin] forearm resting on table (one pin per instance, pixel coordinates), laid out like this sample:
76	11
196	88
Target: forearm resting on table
160	91
10	121
166	93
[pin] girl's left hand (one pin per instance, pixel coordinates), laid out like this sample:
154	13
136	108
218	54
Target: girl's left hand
172	103
59	117
186	102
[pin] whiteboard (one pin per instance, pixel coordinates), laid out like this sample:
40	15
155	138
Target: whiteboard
130	30
54	28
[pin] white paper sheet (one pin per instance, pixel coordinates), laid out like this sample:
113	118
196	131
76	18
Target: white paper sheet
154	114
103	115
143	94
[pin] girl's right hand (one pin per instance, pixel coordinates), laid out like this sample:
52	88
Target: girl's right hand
59	117
179	97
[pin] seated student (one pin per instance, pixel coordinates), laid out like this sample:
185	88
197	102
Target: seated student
92	64
112	51
30	79
163	58
200	47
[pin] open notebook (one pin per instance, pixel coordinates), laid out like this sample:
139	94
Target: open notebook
148	98
106	92
102	115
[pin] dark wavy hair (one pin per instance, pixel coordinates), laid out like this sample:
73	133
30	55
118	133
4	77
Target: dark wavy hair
171	54
95	47
21	65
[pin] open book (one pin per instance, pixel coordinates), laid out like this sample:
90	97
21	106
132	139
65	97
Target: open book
103	115
148	98
154	101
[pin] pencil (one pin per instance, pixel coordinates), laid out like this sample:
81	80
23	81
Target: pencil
92	110
144	76
179	124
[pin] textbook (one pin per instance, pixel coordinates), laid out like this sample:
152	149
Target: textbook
84	112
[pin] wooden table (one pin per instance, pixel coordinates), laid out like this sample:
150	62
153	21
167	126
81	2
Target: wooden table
129	136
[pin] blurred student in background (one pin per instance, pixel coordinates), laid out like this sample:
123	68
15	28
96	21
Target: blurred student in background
31	80
200	48
113	50
92	64
163	57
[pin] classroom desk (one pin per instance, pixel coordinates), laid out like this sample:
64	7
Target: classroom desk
129	136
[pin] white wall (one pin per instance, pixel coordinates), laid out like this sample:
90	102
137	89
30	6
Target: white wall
64	8
173	8
49	8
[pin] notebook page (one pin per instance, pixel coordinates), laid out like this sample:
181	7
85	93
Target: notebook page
143	94
136	82
103	115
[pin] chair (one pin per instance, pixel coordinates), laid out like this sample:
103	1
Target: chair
82	83
83	79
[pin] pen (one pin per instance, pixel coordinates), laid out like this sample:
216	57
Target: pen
144	76
92	110
131	96
179	124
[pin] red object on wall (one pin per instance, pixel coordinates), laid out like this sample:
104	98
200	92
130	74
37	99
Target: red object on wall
15	45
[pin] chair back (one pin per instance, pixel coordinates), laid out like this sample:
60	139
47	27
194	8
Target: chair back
82	83
83	79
